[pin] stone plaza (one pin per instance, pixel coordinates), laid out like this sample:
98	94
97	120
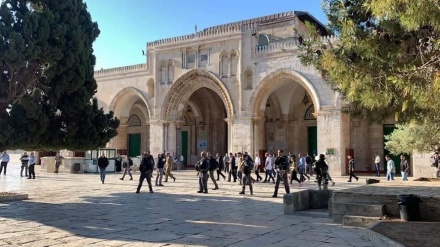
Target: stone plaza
77	210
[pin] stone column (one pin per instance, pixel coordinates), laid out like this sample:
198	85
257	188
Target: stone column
256	122
120	141
157	136
241	136
331	130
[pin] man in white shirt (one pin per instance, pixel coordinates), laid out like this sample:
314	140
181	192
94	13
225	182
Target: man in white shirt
377	164
268	168
4	162
257	163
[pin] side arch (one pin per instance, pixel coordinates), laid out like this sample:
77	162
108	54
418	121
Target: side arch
124	98
275	80
186	85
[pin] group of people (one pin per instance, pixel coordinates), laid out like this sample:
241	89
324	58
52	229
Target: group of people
391	167
27	164
279	168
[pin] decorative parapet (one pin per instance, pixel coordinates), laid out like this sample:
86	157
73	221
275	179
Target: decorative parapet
124	69
289	45
249	25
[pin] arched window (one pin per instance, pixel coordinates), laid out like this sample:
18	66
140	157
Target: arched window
309	114
150	87
224	64
163	72
248	79
263	42
234	63
170	71
134	120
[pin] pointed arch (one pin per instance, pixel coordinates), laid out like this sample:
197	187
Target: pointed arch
186	85
275	80
124	98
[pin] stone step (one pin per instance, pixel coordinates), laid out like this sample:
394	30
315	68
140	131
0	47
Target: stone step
359	221
358	209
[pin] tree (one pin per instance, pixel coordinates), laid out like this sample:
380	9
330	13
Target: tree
386	61
47	84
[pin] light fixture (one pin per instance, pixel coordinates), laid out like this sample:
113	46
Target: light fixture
188	109
305	100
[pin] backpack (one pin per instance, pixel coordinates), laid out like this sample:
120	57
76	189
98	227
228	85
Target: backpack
250	163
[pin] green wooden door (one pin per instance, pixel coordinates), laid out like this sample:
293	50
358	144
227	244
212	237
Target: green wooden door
388	129
312	135
134	145
185	147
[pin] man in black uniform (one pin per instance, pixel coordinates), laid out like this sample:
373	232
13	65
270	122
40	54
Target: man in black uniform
321	169
247	169
202	167
282	167
146	169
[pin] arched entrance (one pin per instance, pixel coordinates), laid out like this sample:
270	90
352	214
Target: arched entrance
196	108
283	108
131	107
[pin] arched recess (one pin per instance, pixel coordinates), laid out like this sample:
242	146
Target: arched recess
274	81
248	79
278	104
131	138
124	98
186	85
233	62
224	64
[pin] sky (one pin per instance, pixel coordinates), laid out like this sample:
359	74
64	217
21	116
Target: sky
127	25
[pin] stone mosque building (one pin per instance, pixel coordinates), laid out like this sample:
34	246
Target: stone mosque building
235	87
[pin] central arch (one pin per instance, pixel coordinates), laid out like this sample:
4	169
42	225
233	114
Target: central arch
196	106
186	85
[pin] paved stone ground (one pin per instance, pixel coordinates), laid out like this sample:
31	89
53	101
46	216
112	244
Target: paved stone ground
77	210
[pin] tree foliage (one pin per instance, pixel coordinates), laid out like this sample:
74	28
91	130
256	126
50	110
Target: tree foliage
414	137
386	61
47	83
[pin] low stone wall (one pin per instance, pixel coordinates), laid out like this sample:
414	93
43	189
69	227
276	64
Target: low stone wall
306	199
9	197
67	164
429	207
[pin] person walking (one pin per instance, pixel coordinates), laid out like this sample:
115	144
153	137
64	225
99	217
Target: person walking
302	168
351	169
404	167
321	170
146	169
377	164
24	159
391	168
268	169
233	168
58	159
227	163
118	164
220	168
32	161
282	167
168	168
4	162
127	163
257	164
202	167
102	164
159	169
247	165
294	171
212	167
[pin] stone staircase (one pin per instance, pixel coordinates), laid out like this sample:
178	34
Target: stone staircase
351	212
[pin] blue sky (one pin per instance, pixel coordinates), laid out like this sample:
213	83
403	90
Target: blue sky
127	25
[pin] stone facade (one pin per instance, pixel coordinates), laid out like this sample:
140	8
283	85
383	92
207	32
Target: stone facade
233	87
